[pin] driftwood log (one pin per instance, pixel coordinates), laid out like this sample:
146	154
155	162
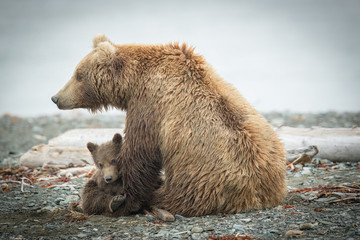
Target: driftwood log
68	148
301	144
334	144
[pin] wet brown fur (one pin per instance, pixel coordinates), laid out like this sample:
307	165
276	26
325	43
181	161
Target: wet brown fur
219	154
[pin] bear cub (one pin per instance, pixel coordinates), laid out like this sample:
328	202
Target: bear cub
104	192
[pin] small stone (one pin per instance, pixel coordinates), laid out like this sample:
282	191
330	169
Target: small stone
72	198
178	217
209	228
238	227
149	217
306	171
345	215
299	166
306	226
196	236
81	235
293	232
297	175
162	234
325	222
246	220
197	230
325	199
58	200
293	226
274	231
48	208
309	165
342	166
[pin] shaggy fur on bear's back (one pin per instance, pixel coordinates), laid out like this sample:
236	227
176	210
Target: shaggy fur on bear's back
218	153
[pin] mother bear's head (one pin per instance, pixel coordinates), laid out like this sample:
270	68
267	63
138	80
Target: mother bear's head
98	80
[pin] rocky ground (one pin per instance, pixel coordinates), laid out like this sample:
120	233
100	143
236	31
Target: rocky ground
323	199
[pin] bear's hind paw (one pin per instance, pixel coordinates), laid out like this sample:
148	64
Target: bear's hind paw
116	202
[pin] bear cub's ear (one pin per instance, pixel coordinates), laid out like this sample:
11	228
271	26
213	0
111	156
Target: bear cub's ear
100	38
117	139
91	146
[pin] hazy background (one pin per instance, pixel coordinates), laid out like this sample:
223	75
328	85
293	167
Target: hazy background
281	55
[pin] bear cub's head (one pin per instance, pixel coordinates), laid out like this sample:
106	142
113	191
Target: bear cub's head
105	158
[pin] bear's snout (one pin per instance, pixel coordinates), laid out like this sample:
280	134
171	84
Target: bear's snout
55	99
108	178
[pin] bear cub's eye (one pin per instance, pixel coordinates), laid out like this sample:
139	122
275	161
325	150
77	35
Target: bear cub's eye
100	165
78	77
113	161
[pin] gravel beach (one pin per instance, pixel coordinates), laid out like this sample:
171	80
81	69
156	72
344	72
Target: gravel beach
322	203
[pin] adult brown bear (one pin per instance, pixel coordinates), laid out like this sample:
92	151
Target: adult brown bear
219	154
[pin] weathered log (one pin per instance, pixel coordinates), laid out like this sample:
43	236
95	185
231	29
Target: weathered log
335	144
302	155
69	147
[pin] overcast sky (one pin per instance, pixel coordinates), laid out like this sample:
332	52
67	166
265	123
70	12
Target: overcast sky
281	55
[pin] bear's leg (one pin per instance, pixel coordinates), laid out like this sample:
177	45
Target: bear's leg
141	157
141	179
95	201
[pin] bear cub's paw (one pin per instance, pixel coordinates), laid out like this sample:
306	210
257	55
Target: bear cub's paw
116	202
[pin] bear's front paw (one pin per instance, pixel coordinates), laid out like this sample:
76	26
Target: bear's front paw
116	202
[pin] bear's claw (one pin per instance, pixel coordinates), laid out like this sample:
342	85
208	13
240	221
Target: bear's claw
116	202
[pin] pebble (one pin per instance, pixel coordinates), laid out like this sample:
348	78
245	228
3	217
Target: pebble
306	226
82	235
306	171
58	200
178	217
293	226
238	227
72	198
297	175
149	217
246	220
196	236
342	166
326	199
197	230
48	208
298	166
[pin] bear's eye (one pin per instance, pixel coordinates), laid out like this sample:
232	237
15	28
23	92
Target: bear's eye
113	161
100	165
78	77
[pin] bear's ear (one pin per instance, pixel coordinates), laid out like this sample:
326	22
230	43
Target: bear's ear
100	38
117	139
105	52
91	146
